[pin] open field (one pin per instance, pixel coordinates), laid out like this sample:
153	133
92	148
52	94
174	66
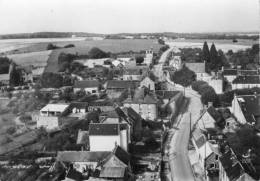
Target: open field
224	45
33	58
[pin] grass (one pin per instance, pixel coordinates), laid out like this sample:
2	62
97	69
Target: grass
32	58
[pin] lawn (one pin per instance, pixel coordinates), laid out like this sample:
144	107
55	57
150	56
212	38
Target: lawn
33	58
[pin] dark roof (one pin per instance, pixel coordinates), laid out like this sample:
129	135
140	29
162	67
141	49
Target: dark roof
82	156
250	79
132	113
142	97
231	165
214	113
86	84
229	72
250	106
112	172
110	114
166	94
74	175
122	84
78	105
121	155
101	103
247	72
103	129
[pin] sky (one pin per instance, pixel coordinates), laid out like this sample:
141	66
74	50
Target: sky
131	16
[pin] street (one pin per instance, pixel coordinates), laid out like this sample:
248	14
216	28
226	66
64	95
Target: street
178	151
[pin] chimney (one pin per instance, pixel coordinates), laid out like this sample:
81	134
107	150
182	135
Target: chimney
129	93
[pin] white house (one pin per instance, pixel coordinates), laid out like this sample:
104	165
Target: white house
216	84
104	137
148	83
199	69
143	103
242	82
209	118
89	86
148	57
54	109
133	74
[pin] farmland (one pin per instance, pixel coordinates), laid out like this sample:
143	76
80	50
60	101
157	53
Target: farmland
33	58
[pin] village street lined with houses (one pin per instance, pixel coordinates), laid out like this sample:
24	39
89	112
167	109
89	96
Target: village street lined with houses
129	90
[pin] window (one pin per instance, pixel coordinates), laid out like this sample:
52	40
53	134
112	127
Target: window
94	91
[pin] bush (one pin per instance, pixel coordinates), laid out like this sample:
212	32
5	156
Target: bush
11	130
25	118
196	85
69	46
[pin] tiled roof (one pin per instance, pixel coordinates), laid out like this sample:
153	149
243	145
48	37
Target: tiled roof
86	84
252	79
97	129
82	156
112	172
101	103
79	105
121	155
229	72
133	72
82	137
214	113
122	84
231	165
197	67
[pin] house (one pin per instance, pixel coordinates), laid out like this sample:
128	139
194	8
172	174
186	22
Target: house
209	118
91	63
143	102
229	74
148	59
207	152
4	79
82	160
49	116
231	125
217	84
246	108
78	109
176	62
103	137
82	138
26	73
148	83
242	81
114	88
89	86
199	69
37	73
102	105
116	166
132	74
230	168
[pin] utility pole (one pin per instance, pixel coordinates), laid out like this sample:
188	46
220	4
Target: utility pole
190	124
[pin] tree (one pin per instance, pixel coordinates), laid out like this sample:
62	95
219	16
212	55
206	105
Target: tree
69	46
209	95
139	59
4	66
205	52
213	57
96	53
51	80
196	85
183	77
50	46
161	42
15	75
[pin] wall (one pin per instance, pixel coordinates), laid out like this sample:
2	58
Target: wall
103	143
206	121
89	89
48	122
147	111
148	83
217	85
236	110
131	77
80	166
243	86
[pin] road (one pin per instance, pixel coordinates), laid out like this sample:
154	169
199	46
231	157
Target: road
179	161
178	152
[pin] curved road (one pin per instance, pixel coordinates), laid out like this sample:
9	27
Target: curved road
178	153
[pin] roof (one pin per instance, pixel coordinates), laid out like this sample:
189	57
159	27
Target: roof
78	105
133	72
121	154
112	172
250	106
110	114
4	77
100	129
214	113
132	113
199	138
231	165
82	137
197	67
38	71
122	84
142	97
55	107
250	79
82	156
86	84
101	103
230	72
247	72
74	174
